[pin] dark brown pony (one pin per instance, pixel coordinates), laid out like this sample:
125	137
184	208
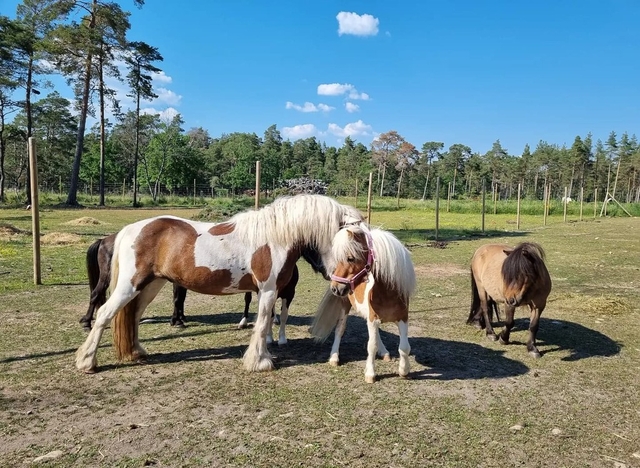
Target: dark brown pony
512	276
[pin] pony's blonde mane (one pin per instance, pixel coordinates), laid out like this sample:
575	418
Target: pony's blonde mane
295	220
392	265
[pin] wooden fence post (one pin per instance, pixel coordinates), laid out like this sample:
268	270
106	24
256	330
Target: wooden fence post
35	213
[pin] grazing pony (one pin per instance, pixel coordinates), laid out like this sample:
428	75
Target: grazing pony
514	276
99	256
253	251
374	270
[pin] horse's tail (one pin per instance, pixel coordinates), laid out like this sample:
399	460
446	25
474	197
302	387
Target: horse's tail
329	312
123	326
475	299
93	265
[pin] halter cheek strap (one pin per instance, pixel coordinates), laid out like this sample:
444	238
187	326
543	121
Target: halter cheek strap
371	257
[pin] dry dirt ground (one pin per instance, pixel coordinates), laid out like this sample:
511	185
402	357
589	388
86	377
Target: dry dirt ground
468	402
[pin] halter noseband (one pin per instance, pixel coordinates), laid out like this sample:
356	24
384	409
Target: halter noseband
371	257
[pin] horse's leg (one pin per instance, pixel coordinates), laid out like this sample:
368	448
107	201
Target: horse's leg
270	328
284	315
534	323
334	357
404	348
372	347
145	297
257	356
382	349
245	315
509	312
179	297
86	355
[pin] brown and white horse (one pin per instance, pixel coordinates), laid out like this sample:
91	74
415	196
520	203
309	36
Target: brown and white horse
374	270
514	276
252	251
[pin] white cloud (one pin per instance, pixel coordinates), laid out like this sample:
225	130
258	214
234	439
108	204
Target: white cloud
166	96
351	107
161	77
165	115
338	89
358	25
309	107
334	89
299	131
354	94
354	129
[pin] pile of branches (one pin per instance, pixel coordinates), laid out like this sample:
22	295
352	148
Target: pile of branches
304	185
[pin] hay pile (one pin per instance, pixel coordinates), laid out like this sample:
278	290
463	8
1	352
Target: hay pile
60	238
606	305
84	221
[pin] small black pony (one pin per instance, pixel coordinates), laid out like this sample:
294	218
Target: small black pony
99	256
514	276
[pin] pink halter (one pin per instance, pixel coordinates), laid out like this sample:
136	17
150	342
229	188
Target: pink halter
371	257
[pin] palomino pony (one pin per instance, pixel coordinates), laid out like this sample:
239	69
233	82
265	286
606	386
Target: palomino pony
253	251
513	276
375	271
99	256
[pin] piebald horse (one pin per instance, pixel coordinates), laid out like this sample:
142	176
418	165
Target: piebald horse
99	256
514	276
253	251
375	272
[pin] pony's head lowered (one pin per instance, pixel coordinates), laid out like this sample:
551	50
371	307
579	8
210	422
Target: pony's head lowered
521	270
358	251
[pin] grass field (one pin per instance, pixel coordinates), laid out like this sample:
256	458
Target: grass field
468	402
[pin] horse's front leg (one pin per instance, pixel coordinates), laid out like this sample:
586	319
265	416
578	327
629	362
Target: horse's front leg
404	348
334	357
372	348
509	312
257	356
534	323
284	315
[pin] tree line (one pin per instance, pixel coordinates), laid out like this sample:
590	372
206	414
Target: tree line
157	154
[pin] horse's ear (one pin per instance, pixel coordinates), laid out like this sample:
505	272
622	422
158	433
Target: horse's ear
507	252
350	234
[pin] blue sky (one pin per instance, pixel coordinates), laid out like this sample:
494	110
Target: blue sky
466	72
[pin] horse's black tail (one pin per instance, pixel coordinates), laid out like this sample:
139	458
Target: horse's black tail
475	301
93	265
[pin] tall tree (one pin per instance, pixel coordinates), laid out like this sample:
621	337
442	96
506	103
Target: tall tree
140	64
384	149
74	47
431	151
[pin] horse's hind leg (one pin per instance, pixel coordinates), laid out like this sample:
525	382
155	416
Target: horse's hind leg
145	297
484	305
86	355
383	352
245	315
509	312
404	348
372	347
534	322
179	297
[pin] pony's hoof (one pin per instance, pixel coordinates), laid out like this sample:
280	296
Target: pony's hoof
87	328
178	325
492	337
282	342
242	324
386	358
503	341
276	320
370	378
334	362
535	354
269	340
93	370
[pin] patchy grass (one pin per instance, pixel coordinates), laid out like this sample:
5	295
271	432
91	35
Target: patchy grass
469	402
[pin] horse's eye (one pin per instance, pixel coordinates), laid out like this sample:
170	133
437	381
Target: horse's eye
351	259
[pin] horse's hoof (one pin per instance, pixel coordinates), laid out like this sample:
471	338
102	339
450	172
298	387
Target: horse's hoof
87	329
269	340
535	353
276	321
386	358
282	342
492	337
503	341
370	378
334	363
93	370
178	325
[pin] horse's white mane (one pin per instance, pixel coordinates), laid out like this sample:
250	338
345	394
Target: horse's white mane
295	220
392	265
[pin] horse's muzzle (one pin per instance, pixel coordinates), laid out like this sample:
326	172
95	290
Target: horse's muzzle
340	290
